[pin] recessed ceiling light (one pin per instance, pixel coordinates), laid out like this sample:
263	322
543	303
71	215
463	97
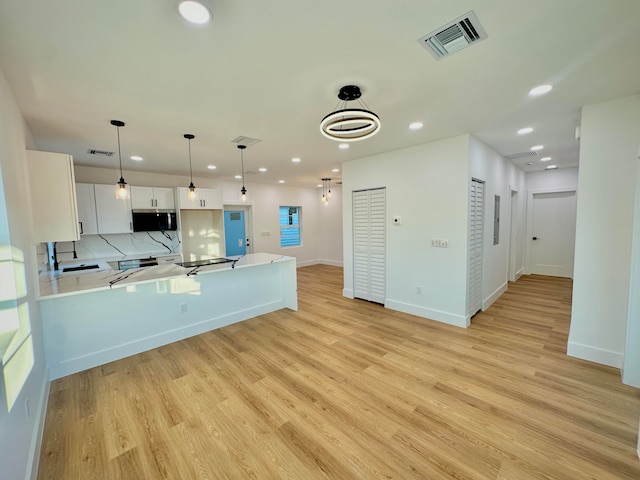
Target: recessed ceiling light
335	170
319	185
416	125
280	181
238	177
211	167
551	167
343	146
137	158
529	163
545	159
262	169
194	12
540	90
295	160
535	148
525	130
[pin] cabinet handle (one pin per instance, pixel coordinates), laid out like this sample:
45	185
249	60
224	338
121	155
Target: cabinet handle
204	203
81	228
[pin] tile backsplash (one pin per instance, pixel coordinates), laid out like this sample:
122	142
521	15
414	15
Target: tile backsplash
119	246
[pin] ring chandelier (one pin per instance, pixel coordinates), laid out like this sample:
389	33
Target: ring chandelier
350	124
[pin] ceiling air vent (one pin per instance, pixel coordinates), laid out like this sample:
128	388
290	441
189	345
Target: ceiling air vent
104	153
516	156
454	36
246	141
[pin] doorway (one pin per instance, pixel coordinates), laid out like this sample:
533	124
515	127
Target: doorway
235	238
552	233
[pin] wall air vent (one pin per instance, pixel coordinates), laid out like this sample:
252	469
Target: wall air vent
104	153
246	141
516	156
454	36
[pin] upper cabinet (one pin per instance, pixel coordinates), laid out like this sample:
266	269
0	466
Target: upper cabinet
87	217
114	214
53	197
205	199
152	197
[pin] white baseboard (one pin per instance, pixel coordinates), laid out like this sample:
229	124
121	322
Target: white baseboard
439	316
594	354
36	441
519	273
319	261
347	293
495	295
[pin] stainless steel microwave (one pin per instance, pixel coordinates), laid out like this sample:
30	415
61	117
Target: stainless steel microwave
154	221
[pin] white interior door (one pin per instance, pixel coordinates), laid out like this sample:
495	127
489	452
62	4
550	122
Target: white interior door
476	221
553	233
369	242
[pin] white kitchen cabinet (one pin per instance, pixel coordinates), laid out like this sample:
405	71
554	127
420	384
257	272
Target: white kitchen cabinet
206	199
114	214
86	200
53	197
152	197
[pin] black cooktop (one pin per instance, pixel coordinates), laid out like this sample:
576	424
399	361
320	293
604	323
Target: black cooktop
202	263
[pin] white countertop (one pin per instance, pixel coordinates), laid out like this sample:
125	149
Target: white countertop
56	284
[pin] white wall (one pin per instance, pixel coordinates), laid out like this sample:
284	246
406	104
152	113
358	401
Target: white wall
427	185
604	227
549	179
321	236
19	436
631	366
500	177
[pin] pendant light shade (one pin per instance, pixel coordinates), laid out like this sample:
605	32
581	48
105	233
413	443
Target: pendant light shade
122	185
326	190
243	191
192	188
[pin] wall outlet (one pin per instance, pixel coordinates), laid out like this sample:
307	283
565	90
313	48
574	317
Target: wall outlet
183	308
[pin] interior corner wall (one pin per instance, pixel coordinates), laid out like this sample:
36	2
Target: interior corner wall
427	186
321	236
500	177
19	432
604	229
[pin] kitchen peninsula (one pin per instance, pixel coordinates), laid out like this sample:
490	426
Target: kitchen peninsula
95	318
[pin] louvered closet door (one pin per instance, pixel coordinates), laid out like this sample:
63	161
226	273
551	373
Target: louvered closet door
369	242
476	221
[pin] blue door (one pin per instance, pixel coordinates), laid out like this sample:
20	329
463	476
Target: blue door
234	234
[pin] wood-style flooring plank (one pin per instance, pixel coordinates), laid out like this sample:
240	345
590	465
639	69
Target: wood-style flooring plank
346	389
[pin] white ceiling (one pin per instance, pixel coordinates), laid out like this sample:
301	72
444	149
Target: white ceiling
272	69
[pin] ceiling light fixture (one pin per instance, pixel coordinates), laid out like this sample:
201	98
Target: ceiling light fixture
192	188
540	90
416	125
350	124
326	190
525	130
243	190
195	11
535	148
262	169
211	167
343	146
136	158
551	167
122	190
335	170
296	160
545	159
280	181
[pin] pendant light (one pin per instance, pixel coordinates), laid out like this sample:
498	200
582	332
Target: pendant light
192	188
243	190
326	190
350	124
122	185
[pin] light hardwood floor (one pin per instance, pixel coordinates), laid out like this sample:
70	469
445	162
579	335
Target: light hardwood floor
344	389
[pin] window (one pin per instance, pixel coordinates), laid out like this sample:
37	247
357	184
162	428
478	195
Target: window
290	227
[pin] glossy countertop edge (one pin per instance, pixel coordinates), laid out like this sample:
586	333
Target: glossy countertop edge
164	272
